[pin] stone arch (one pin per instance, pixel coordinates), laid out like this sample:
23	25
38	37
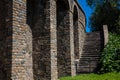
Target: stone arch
63	38
76	32
65	5
38	20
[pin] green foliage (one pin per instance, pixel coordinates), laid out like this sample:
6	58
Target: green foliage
105	12
107	76
94	3
110	59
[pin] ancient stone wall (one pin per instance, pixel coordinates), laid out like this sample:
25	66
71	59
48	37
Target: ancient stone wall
21	43
38	17
40	39
63	38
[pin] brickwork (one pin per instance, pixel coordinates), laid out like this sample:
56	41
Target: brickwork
63	37
44	38
22	43
40	39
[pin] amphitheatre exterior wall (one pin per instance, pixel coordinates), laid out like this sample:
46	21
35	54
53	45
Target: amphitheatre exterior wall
37	39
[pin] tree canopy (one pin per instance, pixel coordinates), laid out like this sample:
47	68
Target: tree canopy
105	12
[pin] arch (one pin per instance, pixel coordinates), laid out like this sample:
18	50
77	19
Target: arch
63	38
65	5
78	8
76	32
75	13
38	20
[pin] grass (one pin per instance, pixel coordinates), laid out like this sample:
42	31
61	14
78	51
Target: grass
106	76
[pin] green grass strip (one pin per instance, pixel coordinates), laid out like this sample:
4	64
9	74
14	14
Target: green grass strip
106	76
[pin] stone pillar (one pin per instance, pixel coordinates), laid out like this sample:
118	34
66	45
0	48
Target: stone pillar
17	38
21	43
105	34
72	56
53	42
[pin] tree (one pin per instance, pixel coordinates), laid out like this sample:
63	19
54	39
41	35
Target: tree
105	12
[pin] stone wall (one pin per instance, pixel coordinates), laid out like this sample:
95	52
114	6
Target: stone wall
37	16
40	39
44	38
21	43
63	38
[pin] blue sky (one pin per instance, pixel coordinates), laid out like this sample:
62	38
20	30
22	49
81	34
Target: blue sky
87	11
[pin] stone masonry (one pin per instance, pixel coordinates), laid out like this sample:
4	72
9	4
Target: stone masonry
93	45
40	39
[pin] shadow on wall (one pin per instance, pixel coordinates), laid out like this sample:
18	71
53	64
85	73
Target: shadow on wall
37	20
76	33
5	39
63	38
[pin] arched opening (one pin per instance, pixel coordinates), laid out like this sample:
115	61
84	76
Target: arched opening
63	38
37	12
76	33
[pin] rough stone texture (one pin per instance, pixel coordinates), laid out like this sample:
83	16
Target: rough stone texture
42	20
46	39
63	38
105	34
40	39
91	52
53	34
21	43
